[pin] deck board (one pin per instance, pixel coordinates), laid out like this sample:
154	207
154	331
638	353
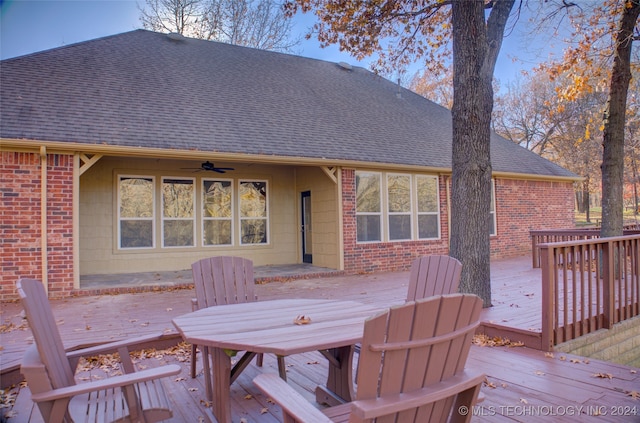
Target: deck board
518	377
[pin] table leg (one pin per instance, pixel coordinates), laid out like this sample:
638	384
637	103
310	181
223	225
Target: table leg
339	387
207	372
221	381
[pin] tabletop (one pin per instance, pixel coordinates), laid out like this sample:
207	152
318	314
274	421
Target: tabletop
269	327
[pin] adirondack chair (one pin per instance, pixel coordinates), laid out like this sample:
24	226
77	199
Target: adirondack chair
433	275
223	280
136	396
411	367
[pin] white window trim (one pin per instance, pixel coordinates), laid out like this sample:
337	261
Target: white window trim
380	214
266	218
203	218
410	213
493	206
163	219
120	218
419	213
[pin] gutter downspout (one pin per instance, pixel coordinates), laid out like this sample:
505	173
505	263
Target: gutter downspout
43	217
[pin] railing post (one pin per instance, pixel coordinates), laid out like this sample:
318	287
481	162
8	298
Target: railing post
548	297
608	291
534	250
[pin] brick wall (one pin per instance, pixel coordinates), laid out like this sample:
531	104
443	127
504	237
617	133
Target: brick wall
384	256
20	223
520	207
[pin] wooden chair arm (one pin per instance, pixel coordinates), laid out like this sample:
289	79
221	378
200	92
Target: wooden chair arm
111	382
124	347
293	404
372	408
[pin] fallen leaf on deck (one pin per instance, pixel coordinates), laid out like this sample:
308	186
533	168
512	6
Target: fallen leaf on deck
490	384
264	410
603	375
634	394
524	401
248	396
313	362
549	355
302	320
270	401
539	373
87	327
192	389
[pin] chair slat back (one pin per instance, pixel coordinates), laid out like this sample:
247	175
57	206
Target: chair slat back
433	275
410	363
45	332
223	280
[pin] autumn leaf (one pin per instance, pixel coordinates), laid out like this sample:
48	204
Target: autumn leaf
603	375
264	410
301	319
634	394
248	396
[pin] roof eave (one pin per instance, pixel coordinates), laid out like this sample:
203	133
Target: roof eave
61	147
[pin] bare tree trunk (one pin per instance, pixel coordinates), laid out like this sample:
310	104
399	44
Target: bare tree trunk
475	49
613	138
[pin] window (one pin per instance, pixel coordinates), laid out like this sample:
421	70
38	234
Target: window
136	211
368	207
492	210
253	212
178	216
428	207
409	210
217	212
399	204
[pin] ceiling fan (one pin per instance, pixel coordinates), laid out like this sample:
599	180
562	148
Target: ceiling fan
209	167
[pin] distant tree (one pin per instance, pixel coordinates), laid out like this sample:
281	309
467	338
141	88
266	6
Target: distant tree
251	23
600	56
437	88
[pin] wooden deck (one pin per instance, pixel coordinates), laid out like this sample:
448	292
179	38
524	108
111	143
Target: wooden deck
522	385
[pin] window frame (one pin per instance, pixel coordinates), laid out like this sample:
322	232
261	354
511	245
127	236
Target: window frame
164	219
204	218
120	219
379	213
409	213
266	217
436	213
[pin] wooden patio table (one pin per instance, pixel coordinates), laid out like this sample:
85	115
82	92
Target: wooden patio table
268	327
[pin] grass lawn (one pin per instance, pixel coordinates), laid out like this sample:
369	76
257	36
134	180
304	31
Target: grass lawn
595	215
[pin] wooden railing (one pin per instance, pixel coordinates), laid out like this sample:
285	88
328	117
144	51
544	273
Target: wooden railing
588	285
563	235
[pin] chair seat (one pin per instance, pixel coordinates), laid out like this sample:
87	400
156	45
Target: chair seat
110	405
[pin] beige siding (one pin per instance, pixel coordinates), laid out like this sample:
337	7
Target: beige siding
98	218
324	209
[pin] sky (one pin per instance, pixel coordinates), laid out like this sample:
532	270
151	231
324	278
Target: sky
28	26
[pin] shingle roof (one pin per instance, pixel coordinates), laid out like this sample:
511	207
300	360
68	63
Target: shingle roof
145	89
